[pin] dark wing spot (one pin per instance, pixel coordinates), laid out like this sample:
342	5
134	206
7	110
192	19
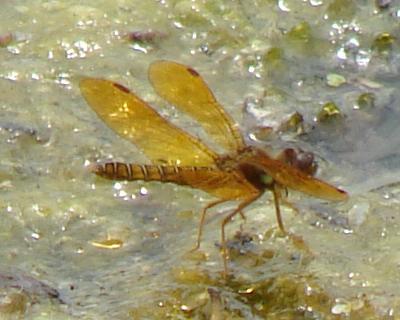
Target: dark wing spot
193	72
121	87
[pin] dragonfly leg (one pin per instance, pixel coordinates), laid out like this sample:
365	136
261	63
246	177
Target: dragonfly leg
244	220
283	197
202	219
228	219
277	196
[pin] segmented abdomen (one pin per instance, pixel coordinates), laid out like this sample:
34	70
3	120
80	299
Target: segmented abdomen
129	171
223	184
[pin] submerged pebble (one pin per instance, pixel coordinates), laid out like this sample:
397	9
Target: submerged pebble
329	112
6	39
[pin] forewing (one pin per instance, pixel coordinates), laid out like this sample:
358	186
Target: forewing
184	88
297	180
136	121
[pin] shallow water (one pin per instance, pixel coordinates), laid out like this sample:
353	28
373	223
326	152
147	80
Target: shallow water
54	212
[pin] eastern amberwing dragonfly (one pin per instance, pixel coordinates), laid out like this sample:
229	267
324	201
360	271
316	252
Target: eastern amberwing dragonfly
243	173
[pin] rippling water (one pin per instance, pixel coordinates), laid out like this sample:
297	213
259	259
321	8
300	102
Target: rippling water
263	61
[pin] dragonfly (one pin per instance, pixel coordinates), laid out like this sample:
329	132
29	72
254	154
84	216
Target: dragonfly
240	173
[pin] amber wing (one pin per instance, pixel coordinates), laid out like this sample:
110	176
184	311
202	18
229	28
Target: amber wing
136	121
184	88
222	184
297	180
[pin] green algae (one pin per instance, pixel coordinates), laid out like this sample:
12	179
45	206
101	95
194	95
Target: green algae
274	61
341	10
383	43
288	296
302	39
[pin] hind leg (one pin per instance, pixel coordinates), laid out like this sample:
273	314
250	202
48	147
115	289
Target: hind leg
202	219
225	221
